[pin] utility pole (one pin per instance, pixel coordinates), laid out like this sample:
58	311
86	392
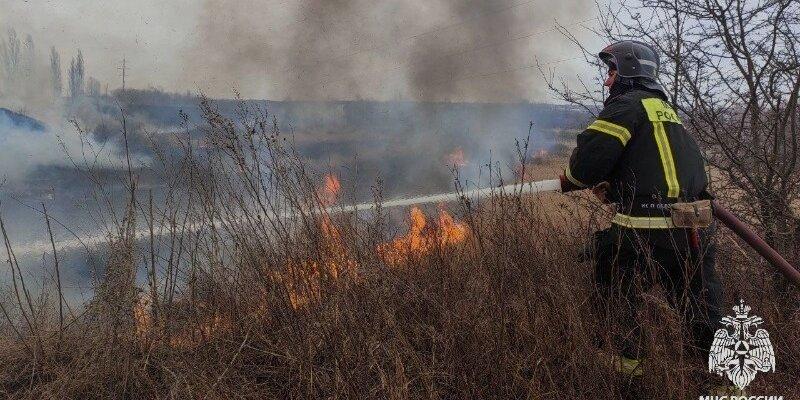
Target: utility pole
123	73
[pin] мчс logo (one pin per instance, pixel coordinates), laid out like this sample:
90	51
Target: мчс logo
737	351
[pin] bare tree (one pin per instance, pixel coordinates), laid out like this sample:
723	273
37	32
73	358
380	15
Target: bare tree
29	57
10	56
76	76
92	87
55	72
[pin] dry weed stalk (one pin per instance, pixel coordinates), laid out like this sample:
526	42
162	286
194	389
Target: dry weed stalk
253	291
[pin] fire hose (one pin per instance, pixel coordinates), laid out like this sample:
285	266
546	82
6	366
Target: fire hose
757	243
734	224
553	185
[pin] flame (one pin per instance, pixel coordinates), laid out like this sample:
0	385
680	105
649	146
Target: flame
456	158
142	316
328	194
421	239
190	337
303	279
330	190
329	231
146	329
452	232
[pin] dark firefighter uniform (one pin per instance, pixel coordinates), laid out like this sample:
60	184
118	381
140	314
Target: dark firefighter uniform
638	145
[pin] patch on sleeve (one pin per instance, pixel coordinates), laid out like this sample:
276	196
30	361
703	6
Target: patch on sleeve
660	111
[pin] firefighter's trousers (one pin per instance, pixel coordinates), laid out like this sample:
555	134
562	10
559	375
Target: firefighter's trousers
630	262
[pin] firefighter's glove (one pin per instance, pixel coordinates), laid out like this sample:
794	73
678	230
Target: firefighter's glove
600	191
566	185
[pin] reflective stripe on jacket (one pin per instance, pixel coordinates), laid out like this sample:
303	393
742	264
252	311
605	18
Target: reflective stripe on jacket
639	145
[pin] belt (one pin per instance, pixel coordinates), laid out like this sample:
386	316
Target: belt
643	222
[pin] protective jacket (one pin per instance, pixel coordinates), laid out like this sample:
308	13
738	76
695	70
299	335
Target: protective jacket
639	146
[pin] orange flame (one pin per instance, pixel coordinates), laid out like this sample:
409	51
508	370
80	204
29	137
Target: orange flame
142	315
452	232
422	239
190	337
303	279
330	190
456	158
146	329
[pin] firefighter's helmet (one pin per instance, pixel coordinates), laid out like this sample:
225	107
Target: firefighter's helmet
633	59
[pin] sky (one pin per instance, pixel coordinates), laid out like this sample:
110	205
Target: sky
315	49
147	33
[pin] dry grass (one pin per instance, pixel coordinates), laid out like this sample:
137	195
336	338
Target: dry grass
241	303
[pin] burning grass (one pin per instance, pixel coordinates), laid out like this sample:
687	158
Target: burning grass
486	300
423	238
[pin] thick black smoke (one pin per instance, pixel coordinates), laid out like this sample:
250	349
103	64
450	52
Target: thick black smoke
431	50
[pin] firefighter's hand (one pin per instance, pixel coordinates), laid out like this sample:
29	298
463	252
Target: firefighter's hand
600	190
566	185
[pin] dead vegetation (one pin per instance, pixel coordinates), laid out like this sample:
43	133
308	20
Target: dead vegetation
248	288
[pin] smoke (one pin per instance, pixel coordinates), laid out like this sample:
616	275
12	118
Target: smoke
430	50
432	65
26	150
21	150
422	51
441	63
31	84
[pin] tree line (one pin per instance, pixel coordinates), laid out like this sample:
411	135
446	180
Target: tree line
24	73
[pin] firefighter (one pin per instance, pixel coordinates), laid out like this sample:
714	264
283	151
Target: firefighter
638	156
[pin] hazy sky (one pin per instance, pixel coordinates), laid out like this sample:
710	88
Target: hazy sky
317	49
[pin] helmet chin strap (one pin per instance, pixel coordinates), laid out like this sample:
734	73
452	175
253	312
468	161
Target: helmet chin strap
620	85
